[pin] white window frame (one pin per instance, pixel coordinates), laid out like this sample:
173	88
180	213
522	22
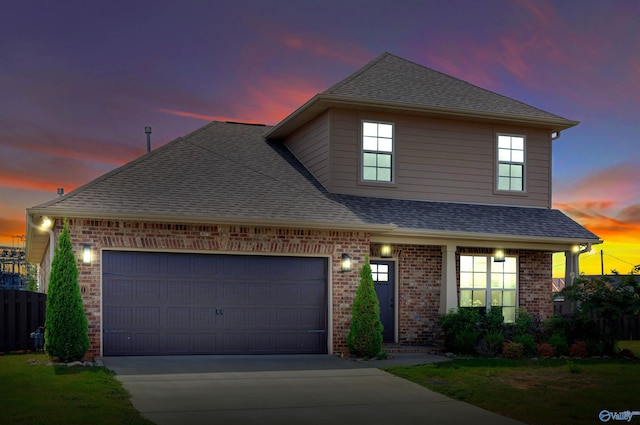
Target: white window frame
508	156
375	147
492	280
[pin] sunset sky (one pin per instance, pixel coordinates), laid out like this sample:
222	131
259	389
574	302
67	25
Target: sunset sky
80	79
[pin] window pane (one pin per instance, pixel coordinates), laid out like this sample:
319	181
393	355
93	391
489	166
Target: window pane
384	174
504	183
369	129
510	281
516	184
479	298
384	161
466	263
369	159
504	170
383	268
509	298
517	143
466	298
479	280
369	173
510	265
385	145
504	155
466	280
509	314
496	298
370	143
517	156
496	280
479	264
504	142
374	268
516	170
385	130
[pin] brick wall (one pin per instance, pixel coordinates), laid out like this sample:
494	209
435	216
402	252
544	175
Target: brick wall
419	280
115	234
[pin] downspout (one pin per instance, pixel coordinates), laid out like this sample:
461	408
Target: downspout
51	237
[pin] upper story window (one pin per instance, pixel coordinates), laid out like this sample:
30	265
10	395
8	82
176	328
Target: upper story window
511	162
486	283
377	152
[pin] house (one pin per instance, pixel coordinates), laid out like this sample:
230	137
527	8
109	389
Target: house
241	238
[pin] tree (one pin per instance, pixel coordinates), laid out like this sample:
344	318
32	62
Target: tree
608	301
66	332
32	284
365	336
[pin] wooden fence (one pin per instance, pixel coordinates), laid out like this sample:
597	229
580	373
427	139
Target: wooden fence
626	328
21	312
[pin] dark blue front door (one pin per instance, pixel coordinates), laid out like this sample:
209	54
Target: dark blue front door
383	276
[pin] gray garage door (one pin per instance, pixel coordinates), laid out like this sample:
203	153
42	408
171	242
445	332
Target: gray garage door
168	303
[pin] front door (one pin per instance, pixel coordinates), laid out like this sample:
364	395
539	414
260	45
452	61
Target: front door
383	276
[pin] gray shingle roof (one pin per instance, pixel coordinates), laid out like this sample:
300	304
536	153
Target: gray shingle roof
226	171
466	218
389	78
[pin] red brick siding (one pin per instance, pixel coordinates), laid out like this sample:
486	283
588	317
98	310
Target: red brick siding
114	234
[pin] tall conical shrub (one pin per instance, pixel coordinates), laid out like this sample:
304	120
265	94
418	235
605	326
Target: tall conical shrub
66	330
365	336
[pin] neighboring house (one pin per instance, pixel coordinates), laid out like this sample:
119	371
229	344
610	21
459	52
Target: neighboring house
231	239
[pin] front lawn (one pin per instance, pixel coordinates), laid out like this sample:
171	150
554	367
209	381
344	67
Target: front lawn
536	392
32	393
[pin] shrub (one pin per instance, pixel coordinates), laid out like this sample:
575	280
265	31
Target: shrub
461	330
528	344
365	336
544	349
491	344
66	332
578	349
512	350
559	343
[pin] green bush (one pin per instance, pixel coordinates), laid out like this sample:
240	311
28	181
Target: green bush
559	343
365	336
528	343
491	344
66	330
512	350
461	330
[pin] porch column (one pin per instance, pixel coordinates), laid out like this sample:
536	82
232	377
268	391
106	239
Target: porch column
571	267
448	287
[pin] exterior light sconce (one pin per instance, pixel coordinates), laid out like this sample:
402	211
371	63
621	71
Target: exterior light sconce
47	223
385	251
498	255
345	263
86	254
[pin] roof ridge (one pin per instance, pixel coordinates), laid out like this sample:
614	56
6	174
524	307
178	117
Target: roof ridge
358	72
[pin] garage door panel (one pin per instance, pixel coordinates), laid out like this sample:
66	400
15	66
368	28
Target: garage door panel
215	304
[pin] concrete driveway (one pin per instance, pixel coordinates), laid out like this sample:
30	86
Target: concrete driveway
294	389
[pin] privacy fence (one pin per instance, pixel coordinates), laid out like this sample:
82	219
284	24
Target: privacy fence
21	312
626	328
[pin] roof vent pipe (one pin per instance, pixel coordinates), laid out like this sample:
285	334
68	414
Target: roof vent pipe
60	191
147	131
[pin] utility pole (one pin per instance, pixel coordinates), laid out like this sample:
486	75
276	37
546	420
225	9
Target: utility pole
602	262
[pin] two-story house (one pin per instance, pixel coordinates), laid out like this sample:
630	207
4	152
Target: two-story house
241	238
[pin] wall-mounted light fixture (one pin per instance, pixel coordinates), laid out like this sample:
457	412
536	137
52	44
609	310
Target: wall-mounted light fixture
86	254
498	255
47	223
345	263
385	251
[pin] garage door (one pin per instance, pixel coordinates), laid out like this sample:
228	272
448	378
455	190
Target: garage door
168	303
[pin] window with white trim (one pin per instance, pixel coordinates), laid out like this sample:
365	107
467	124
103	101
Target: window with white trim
510	163
380	272
486	283
377	152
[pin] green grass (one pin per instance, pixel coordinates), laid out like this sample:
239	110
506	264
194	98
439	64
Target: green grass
634	346
536	392
39	394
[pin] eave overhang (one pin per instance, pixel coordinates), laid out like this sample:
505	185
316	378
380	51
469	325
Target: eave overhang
323	102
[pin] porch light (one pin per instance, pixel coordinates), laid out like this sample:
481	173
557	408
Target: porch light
385	251
345	263
47	223
86	254
498	255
